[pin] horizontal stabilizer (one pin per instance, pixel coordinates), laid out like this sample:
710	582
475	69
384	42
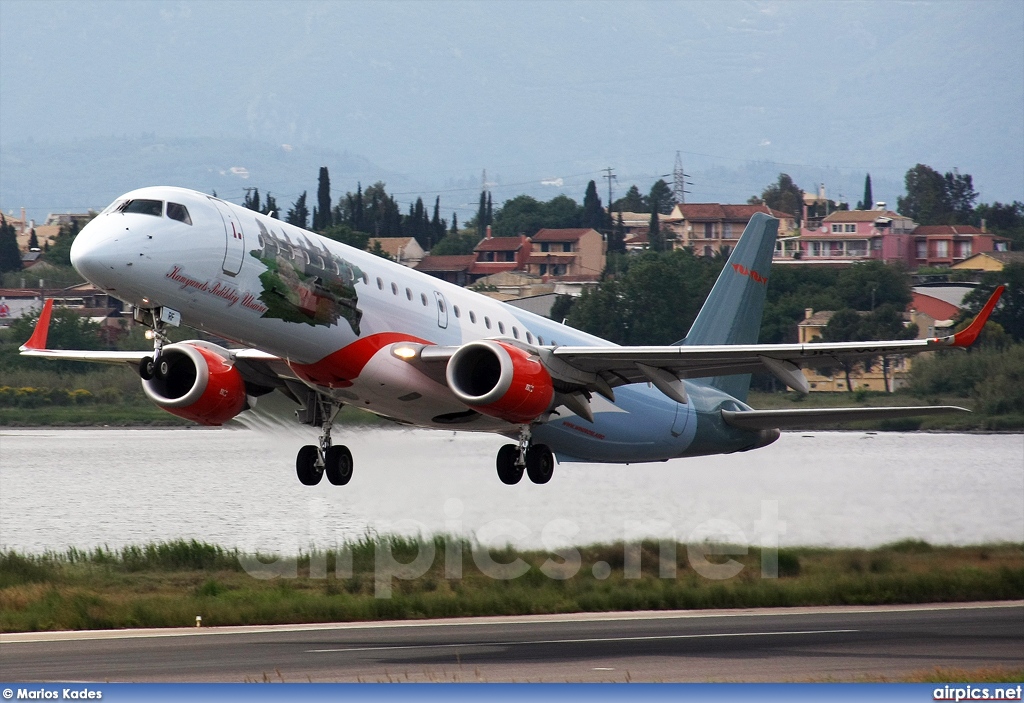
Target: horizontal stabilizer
805	417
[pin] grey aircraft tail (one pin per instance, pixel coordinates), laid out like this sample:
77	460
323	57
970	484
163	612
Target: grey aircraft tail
732	312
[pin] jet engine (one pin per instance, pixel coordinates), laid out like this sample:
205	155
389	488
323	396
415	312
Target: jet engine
500	380
196	383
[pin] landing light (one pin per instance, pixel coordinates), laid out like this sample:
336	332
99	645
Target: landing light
406	352
149	334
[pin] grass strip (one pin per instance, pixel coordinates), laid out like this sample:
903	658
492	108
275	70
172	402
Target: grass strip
169	584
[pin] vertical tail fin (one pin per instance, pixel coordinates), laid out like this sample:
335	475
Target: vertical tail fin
732	312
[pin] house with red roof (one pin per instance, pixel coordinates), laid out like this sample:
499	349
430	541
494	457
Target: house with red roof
577	253
709	228
497	254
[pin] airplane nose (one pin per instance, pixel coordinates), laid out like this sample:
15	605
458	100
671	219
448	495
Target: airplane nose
91	252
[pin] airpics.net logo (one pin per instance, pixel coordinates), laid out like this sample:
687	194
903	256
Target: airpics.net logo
709	547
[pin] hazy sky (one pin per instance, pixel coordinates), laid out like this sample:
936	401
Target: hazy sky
439	91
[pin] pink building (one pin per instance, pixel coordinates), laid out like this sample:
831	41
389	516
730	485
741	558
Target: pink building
847	236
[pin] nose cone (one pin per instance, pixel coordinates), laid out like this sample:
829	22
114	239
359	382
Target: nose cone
91	253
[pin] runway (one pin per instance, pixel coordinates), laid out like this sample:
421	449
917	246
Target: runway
780	644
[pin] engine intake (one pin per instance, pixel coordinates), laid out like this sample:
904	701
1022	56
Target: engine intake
200	385
500	380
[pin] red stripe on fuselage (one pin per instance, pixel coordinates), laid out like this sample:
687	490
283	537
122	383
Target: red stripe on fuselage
339	369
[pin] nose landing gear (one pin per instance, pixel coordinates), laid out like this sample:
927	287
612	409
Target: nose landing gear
536	460
312	461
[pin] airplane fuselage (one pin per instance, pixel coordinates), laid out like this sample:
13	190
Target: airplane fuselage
333	312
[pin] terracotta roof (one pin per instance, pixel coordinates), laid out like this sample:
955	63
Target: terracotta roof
500	244
947	229
862	215
716	211
560	235
453	262
1007	257
817	319
392	245
488	267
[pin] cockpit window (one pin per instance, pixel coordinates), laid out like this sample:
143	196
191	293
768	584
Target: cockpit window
179	213
144	207
113	207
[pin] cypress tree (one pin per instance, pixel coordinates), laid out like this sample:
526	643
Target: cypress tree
299	214
455	223
481	215
657	243
593	212
33	240
357	209
10	255
490	209
869	201
322	211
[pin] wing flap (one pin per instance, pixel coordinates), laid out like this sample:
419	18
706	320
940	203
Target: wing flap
806	417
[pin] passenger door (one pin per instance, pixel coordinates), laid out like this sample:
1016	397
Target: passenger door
234	245
442	310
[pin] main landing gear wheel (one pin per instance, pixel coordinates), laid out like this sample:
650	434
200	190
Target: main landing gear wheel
147	368
540	463
338	465
305	466
509	470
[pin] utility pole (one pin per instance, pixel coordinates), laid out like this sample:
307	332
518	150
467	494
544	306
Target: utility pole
610	175
679	181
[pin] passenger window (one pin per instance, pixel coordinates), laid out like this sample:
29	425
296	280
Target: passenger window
144	207
380	284
423	298
472	317
540	340
440	305
515	332
179	213
501	327
529	338
408	293
394	288
487	322
457	313
366	279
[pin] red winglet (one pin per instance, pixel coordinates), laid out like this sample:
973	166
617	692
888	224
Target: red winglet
967	336
38	338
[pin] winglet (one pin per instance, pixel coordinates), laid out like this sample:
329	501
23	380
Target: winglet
967	336
38	338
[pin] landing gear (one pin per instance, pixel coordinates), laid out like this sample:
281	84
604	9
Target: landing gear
151	367
314	461
536	460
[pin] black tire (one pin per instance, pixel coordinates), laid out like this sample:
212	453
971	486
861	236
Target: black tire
338	465
147	368
305	466
540	463
508	471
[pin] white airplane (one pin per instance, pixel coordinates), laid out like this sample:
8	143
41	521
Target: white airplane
327	325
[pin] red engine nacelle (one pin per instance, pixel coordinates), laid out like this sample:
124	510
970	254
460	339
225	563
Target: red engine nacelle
200	385
500	380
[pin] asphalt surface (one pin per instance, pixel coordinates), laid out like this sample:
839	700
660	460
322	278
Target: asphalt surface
781	644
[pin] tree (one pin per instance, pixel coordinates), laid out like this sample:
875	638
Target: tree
617	237
656	241
33	240
270	207
455	223
60	253
378	250
936	199
632	201
299	213
481	216
661	198
252	199
868	202
1004	220
10	255
322	211
1010	311
652	298
869	284
456	243
346	235
593	212
784	196
526	215
437	225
